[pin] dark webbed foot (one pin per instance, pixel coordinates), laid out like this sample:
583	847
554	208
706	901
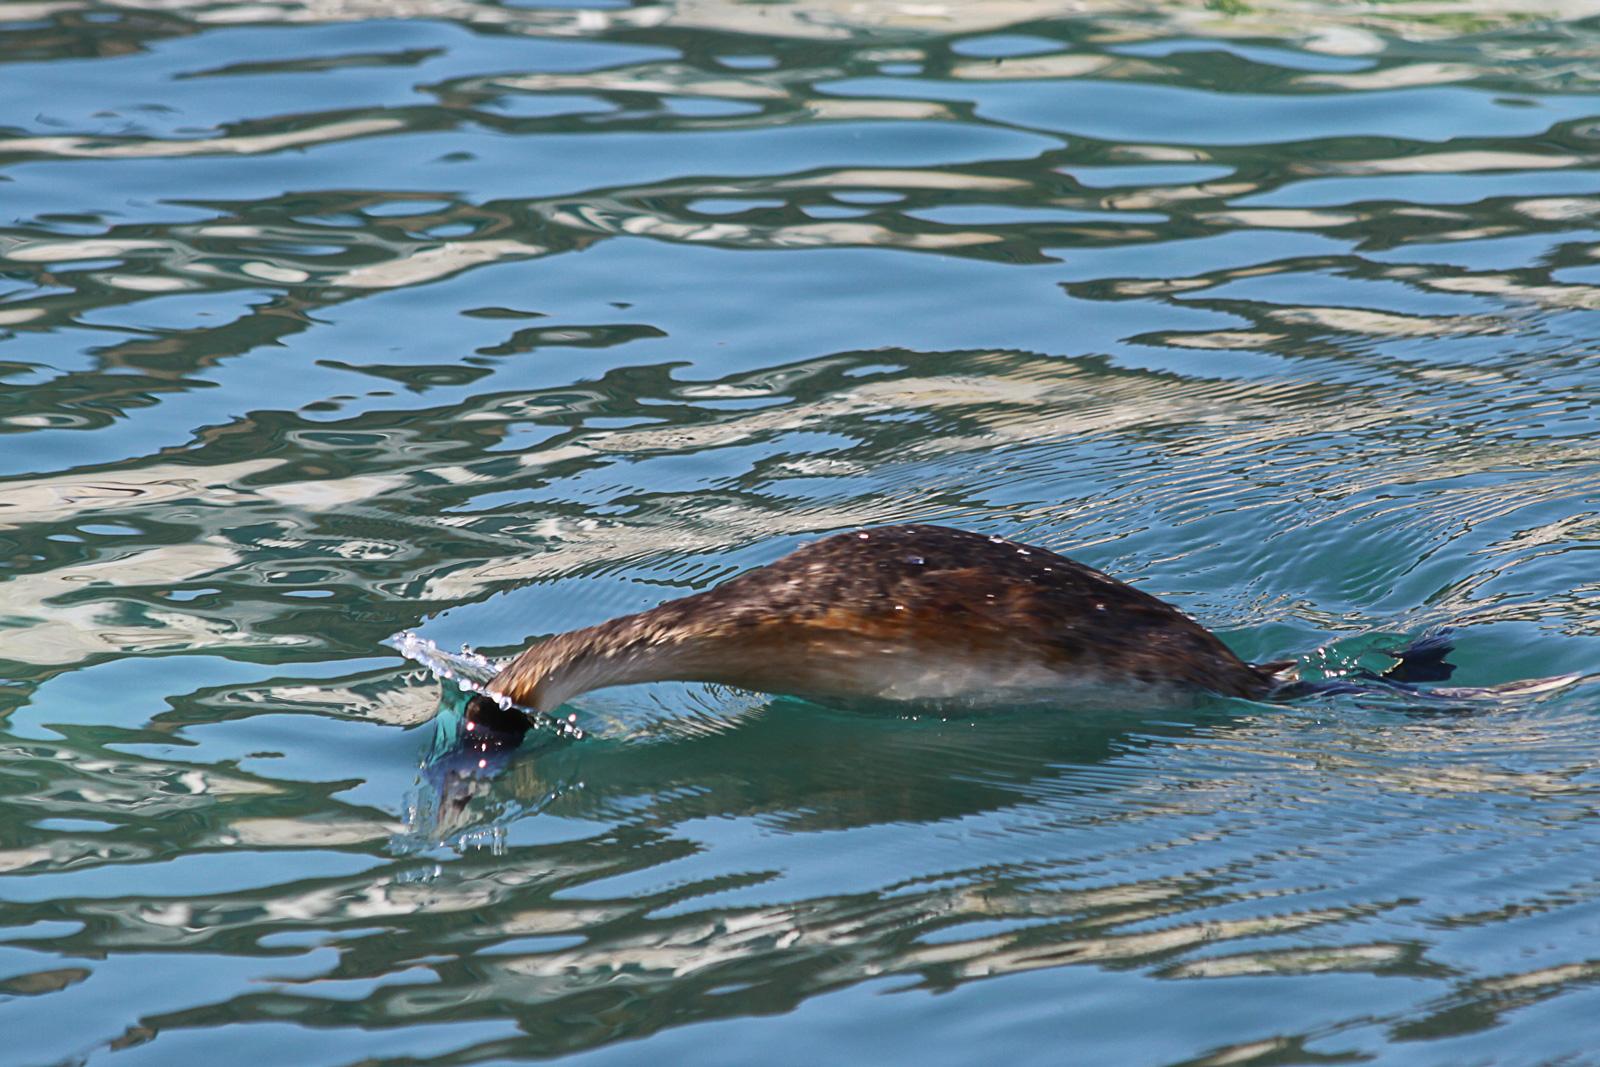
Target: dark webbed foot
1423	660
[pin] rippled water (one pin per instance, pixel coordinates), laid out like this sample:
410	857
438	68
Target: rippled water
328	319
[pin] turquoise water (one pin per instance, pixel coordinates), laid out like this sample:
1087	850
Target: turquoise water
324	320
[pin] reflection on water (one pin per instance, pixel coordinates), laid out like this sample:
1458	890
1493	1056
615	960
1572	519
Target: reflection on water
324	320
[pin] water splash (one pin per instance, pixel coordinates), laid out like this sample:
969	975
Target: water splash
471	672
454	804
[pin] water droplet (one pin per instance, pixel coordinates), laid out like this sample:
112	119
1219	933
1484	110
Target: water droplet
914	559
899	607
863	536
482	764
1023	552
998	540
1099	607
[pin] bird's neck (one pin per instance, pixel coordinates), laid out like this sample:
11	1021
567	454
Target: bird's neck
626	651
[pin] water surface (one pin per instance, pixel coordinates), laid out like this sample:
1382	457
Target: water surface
326	320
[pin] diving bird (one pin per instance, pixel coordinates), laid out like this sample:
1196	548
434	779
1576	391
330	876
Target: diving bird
913	615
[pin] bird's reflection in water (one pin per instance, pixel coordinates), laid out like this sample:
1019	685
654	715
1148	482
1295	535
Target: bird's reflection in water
473	743
804	766
807	766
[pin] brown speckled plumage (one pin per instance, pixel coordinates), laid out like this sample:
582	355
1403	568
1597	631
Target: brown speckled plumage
918	613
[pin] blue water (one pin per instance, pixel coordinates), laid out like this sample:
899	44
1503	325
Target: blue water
321	322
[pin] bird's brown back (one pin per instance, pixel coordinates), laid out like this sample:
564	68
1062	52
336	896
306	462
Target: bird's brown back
848	604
